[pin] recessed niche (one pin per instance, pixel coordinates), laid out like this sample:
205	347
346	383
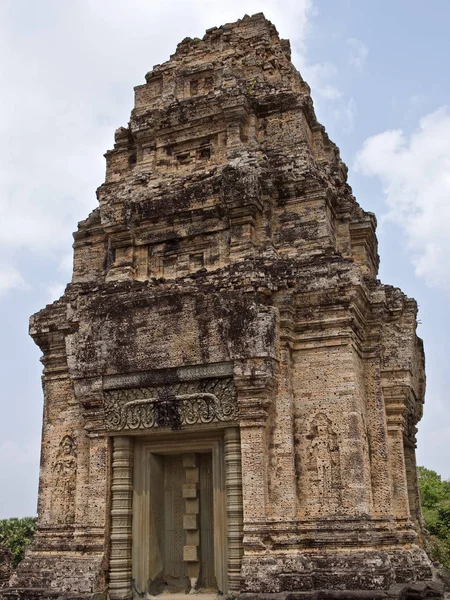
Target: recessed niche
170	266
205	153
193	86
183	158
196	261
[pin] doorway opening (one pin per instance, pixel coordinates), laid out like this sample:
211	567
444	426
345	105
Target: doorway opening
179	519
188	538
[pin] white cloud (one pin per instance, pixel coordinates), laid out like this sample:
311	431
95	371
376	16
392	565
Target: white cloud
318	77
415	174
55	290
345	114
66	263
10	279
357	53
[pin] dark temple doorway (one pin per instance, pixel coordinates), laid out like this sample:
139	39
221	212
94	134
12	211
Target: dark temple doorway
188	522
175	509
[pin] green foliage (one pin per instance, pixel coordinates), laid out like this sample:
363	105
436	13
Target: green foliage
16	534
439	550
435	498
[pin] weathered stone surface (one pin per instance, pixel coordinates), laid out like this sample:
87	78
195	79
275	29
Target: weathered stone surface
6	567
224	301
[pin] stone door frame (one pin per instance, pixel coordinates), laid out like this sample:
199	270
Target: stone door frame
129	456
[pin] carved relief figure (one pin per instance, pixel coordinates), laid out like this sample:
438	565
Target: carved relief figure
323	463
65	474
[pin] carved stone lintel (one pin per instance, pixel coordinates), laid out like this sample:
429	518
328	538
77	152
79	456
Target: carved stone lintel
174	406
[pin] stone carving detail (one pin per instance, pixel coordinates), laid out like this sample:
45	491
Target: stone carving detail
65	476
174	406
323	464
121	517
233	470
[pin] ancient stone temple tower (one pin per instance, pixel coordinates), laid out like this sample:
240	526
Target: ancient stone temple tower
230	394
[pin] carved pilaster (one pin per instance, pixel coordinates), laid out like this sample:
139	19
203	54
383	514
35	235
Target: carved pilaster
378	438
121	518
233	475
282	483
54	359
254	382
395	399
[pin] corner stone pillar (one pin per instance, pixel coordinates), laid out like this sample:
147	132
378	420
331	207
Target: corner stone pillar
379	439
253	444
395	409
282	484
121	518
254	399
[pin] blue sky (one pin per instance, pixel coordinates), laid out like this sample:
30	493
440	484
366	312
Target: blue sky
379	76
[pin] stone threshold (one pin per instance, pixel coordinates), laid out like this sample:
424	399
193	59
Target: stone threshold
428	590
410	591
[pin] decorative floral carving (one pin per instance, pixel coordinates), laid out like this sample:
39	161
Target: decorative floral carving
174	406
65	474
